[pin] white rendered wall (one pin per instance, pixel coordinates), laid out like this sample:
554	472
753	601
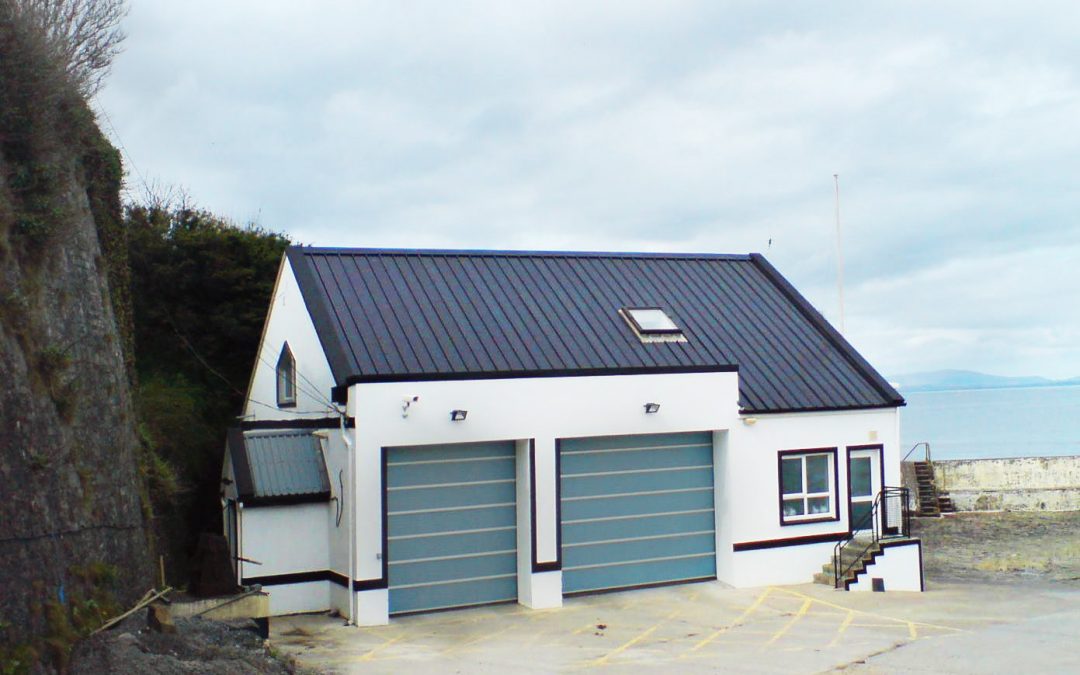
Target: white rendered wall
898	566
312	596
288	539
751	490
543	409
289	321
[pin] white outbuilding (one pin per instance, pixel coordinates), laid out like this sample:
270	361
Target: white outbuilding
437	429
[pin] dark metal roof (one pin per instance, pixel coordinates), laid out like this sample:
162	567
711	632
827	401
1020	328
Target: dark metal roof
278	467
398	315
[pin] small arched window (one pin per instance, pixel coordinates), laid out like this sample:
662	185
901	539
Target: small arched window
286	378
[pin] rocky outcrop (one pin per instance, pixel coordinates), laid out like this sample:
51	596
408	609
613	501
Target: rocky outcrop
73	520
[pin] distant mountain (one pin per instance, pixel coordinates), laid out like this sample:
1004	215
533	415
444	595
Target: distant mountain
938	380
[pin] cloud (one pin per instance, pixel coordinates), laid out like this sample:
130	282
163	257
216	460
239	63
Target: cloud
651	126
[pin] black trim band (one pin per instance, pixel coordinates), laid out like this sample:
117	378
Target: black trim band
521	374
830	538
298	423
311	577
285	500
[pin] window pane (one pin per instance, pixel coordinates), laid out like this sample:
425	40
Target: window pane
791	476
817	473
652	320
794	507
860	515
860	477
818	504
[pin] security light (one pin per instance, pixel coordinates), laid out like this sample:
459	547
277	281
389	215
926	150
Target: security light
458	415
652	408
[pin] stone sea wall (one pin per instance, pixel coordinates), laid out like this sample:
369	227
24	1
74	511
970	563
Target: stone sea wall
1011	484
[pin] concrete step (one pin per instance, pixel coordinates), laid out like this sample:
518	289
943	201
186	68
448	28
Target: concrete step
822	578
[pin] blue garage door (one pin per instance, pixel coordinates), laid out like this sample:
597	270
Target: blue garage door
451	525
637	510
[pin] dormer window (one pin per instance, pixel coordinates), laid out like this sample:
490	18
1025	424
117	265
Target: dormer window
286	378
652	324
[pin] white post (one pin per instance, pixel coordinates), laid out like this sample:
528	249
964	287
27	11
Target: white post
839	253
351	492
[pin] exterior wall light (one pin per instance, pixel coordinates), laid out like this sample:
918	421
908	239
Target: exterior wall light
651	408
749	421
458	415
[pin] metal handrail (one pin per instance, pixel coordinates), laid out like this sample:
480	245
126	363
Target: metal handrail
878	529
915	447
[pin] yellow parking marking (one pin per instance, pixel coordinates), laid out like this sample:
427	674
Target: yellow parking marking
603	660
911	630
865	613
843	627
475	640
371	653
742	617
794	620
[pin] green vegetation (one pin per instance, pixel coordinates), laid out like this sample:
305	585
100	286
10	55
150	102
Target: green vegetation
200	287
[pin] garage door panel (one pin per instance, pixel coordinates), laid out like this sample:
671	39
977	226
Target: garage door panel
448	495
617	550
641	480
451	526
682	499
432	472
636	574
637	510
409	547
669	523
431	454
638	457
445	567
460	594
468	518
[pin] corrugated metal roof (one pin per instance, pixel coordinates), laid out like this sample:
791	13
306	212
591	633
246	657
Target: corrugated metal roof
283	465
397	315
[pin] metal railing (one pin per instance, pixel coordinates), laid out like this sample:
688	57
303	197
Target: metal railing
889	517
921	444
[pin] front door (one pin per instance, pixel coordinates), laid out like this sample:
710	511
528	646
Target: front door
864	484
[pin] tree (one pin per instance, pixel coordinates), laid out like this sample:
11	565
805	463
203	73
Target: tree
83	36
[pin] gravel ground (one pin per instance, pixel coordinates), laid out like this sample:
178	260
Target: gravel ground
199	647
1006	547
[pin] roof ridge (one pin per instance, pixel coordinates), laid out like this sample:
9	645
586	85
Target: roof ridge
516	253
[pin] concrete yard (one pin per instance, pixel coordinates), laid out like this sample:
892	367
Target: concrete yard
708	627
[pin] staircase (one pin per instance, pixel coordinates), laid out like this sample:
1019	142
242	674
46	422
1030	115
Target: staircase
932	503
888	519
854	559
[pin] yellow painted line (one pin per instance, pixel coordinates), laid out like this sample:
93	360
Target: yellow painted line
794	620
475	640
371	654
859	611
914	634
603	660
843	627
742	617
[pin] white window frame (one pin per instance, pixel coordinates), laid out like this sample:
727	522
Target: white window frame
833	513
285	398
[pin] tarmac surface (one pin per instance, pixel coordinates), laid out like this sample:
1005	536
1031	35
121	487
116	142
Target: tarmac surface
709	627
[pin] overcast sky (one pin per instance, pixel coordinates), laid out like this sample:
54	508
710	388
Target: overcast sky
664	126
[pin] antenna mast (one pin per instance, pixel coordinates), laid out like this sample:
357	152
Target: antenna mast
839	253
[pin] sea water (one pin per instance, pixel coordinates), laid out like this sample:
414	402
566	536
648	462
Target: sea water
984	423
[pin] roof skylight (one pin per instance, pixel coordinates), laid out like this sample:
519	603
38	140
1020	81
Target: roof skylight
651	321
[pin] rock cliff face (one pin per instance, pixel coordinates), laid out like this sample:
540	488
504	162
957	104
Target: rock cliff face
73	526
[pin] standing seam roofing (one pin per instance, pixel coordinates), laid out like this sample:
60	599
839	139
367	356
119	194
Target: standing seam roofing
412	314
285	464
